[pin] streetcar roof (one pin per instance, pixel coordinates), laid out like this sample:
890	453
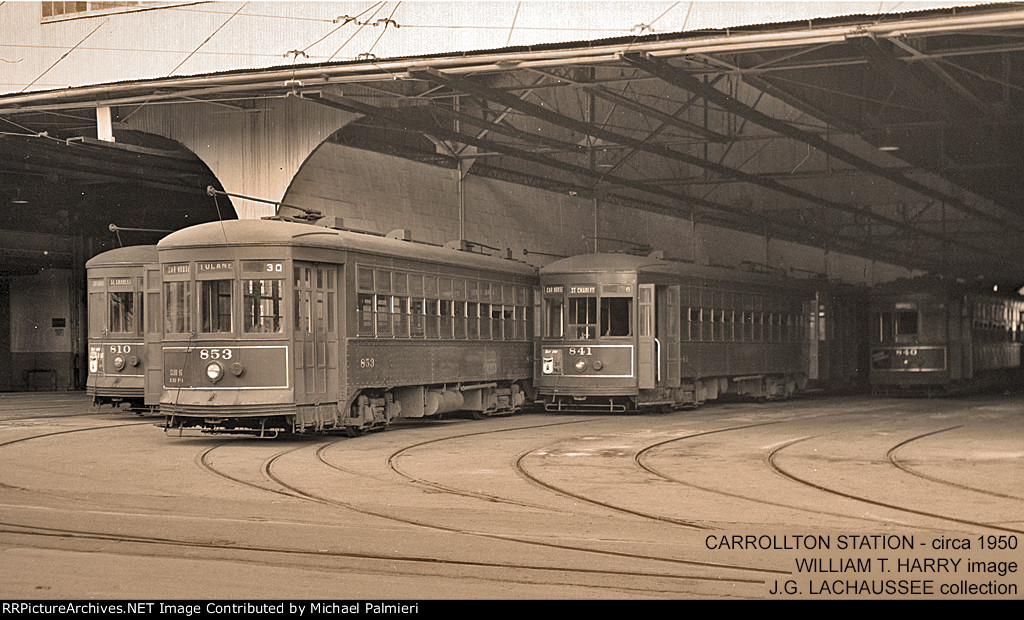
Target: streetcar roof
603	262
131	255
269	233
616	262
938	288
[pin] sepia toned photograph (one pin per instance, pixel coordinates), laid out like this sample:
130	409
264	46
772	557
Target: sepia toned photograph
387	308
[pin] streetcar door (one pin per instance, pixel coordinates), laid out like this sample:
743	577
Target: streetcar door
646	347
811	337
153	331
315	334
668	335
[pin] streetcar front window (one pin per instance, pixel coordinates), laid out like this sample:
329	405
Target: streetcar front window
900	326
96	299
177	300
582	317
215	306
554	314
262	306
122	312
615	316
906	326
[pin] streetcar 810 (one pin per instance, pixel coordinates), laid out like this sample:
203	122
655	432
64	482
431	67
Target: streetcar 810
124	331
273	325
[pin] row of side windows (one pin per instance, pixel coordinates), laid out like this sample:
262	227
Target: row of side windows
712	324
400	304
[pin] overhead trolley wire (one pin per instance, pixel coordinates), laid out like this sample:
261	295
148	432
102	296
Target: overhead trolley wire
346	20
387	22
513	26
65	55
207	40
358	30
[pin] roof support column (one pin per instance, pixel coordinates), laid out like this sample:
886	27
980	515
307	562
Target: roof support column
104	124
253	151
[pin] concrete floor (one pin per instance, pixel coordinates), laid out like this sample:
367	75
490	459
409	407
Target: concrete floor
850	497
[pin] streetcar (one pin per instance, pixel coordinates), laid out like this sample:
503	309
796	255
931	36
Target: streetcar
282	326
622	332
933	335
124	328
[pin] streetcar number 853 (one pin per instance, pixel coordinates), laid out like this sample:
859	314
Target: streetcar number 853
214	354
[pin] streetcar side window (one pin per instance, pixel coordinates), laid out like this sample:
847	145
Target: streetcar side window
498	314
366	320
432	311
400	316
693	323
460	318
473	314
383	314
522	312
508	322
417	310
446	318
707	316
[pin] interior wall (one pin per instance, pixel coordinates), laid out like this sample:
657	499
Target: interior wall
40	342
5	334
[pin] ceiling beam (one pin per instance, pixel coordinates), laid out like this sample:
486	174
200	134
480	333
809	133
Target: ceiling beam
466	85
683	80
796	228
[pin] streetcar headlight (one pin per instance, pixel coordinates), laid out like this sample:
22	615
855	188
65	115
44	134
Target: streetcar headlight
214	371
581	365
119	362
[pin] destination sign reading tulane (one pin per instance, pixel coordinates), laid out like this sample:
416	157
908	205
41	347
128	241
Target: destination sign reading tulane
215	266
